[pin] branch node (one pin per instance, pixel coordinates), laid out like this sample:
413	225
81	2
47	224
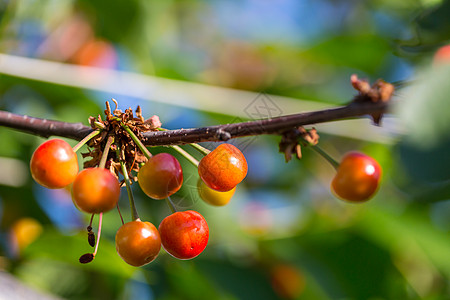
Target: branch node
380	92
223	135
292	141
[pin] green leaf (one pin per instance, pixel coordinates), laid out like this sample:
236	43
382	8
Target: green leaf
52	244
363	52
424	111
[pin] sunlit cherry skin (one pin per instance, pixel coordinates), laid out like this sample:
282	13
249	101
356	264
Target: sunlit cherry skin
161	176
357	178
95	190
184	235
214	197
138	243
223	168
54	164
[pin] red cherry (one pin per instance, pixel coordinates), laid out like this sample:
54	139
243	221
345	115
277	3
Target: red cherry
223	168
95	190
184	235
54	164
161	176
357	178
138	243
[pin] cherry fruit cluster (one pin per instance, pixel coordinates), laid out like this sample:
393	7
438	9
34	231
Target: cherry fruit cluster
183	234
96	189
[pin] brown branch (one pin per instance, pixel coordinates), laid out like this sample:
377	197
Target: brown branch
78	131
265	126
44	127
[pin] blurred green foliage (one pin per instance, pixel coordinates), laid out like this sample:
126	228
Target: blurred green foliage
394	247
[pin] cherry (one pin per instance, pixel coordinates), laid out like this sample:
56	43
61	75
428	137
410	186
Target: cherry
442	55
161	176
287	281
184	235
54	164
138	243
23	232
214	197
96	53
223	168
95	190
357	178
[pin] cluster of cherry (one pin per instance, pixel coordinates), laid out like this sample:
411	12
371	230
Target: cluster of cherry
96	190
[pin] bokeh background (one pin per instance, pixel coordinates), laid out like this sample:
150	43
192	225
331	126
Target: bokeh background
198	63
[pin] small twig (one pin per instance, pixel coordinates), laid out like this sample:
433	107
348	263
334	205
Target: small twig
106	151
325	155
85	140
171	205
186	155
99	232
200	148
137	141
120	214
134	213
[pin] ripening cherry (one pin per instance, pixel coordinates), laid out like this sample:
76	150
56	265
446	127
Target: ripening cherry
161	176
54	164
357	178
287	281
184	235
95	190
442	56
23	232
214	197
138	243
223	168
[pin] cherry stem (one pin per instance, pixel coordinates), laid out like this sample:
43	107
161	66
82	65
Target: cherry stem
104	158
120	214
85	140
186	155
197	147
98	233
200	149
138	142
325	155
171	205
92	218
134	213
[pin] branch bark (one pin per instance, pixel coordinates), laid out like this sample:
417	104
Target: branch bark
78	131
44	127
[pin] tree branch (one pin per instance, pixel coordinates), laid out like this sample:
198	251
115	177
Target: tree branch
44	127
264	126
78	131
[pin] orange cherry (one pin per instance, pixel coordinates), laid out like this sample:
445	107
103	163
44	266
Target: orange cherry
287	281
223	168
357	178
54	164
138	243
442	55
95	190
